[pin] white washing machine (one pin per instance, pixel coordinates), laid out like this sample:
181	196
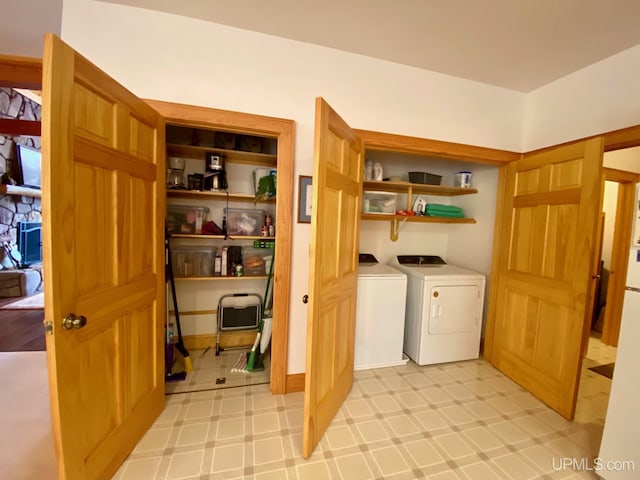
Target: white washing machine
443	318
380	313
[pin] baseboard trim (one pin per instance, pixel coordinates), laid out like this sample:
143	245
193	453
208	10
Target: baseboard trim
227	340
295	383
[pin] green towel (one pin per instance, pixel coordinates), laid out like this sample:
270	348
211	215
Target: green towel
446	214
438	208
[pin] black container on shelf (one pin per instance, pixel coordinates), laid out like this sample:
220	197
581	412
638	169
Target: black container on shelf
425	178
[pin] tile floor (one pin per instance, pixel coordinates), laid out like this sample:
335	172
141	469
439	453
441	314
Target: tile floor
209	369
461	420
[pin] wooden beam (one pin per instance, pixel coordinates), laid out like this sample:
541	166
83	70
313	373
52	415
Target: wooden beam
435	148
20	72
14	128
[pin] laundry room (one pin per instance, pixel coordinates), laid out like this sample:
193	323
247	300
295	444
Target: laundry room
442	223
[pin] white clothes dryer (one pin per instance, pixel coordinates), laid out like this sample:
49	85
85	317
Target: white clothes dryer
380	313
443	318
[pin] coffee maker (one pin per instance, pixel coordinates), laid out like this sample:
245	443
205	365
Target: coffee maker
175	172
215	177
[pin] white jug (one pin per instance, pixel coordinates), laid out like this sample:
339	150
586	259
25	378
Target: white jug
377	172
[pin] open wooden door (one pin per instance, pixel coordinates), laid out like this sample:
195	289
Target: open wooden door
335	227
549	217
103	236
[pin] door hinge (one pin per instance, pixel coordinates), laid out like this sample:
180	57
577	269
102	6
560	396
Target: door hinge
48	327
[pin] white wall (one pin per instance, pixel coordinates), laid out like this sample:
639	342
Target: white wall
596	99
609	207
178	59
183	60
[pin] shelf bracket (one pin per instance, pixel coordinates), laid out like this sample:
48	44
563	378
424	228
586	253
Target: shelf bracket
395	228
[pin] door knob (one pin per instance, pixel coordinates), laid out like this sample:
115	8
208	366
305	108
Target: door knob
73	321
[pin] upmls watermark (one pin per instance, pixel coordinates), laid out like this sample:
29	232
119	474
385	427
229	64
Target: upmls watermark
593	465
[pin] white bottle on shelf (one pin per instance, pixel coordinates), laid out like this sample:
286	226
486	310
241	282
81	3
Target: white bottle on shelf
368	171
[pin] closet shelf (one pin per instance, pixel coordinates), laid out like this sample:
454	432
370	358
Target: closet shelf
228	277
220	237
419	218
236	156
203	195
416	188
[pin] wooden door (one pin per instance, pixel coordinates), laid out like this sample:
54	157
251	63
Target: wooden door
335	226
549	217
103	212
622	231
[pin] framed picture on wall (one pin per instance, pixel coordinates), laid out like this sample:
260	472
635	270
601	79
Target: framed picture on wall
305	193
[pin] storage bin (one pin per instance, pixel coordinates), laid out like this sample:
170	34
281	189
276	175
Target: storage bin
193	261
382	203
256	261
425	178
244	222
186	218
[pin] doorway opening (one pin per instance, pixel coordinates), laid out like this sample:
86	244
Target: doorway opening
618	199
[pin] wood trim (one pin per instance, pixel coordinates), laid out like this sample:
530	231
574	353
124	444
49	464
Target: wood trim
621	176
622	232
283	130
19	190
438	148
496	257
244	338
622	138
14	128
20	72
295	383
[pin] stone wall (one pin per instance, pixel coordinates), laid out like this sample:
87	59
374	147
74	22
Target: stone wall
14	208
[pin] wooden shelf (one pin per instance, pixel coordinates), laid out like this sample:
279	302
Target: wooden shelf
417	188
418	219
203	195
220	237
247	277
236	156
18	190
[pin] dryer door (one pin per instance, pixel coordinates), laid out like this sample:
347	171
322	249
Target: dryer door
454	309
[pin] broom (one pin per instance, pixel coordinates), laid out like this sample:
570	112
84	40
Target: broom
169	274
254	363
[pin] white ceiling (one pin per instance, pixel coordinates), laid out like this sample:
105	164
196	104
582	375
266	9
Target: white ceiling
517	44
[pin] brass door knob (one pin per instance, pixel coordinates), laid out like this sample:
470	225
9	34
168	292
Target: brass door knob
74	321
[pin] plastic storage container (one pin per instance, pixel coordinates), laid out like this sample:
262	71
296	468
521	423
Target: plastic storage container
193	261
256	261
244	222
186	218
425	178
381	203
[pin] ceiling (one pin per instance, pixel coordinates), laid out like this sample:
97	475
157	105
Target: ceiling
516	44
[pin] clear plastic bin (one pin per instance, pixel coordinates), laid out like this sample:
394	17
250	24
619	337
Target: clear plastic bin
256	261
186	218
193	261
244	222
380	203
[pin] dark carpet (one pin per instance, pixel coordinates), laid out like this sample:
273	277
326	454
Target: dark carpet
606	370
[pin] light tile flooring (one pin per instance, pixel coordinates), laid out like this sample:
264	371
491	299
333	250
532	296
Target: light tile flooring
462	420
209	370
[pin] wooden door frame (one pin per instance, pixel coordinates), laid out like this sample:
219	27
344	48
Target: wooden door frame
283	131
622	232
